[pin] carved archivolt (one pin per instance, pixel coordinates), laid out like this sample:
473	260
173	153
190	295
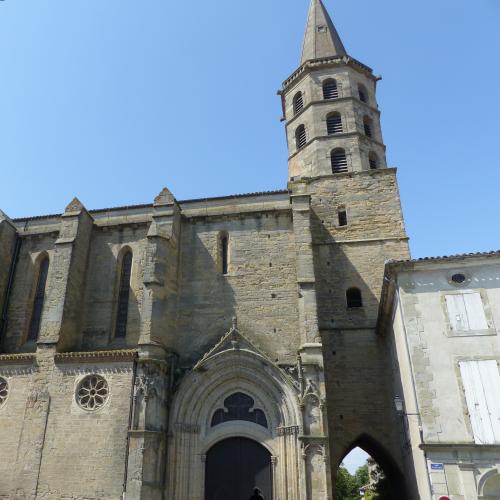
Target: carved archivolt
234	391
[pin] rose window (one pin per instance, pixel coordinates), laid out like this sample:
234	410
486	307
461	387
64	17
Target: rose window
4	391
92	392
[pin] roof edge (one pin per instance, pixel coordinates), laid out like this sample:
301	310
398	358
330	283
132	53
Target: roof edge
150	205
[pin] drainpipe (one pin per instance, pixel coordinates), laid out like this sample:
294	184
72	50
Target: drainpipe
413	384
10	282
130	417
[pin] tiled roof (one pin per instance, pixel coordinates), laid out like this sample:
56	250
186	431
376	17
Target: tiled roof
447	257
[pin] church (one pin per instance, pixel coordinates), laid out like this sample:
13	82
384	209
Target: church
240	347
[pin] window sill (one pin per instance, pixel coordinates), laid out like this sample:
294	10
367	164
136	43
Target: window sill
473	333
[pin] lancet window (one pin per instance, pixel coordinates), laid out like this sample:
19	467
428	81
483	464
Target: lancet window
36	314
123	296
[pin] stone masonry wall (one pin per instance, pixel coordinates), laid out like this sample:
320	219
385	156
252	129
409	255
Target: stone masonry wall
260	288
18	377
20	305
358	380
103	276
84	452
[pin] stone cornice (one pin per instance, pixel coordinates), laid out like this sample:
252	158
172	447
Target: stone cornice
86	357
327	62
21	358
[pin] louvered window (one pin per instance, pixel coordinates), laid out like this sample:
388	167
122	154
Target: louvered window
363	96
334	124
300	137
123	296
330	89
373	161
354	298
298	103
36	315
367	124
339	161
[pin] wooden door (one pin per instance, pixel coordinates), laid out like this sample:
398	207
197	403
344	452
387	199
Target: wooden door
235	467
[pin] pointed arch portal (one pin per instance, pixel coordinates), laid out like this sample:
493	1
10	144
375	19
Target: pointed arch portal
396	480
238	421
234	467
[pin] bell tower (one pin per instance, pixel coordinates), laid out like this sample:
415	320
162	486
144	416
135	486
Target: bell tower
330	107
347	223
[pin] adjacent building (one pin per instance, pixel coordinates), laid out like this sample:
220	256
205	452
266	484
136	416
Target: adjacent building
443	315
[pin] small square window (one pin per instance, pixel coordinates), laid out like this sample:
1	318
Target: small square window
322	29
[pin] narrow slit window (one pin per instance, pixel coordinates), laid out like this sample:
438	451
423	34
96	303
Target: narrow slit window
225	253
373	161
342	213
300	137
354	298
334	123
330	89
368	128
363	95
123	296
298	103
36	315
339	161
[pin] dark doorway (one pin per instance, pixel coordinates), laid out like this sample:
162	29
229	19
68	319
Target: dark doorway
235	467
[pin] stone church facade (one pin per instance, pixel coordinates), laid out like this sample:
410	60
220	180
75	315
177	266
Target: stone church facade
143	345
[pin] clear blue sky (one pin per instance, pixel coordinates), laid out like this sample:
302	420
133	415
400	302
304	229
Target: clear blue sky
110	100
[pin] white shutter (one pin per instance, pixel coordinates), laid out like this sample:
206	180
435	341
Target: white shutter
457	313
482	391
475	311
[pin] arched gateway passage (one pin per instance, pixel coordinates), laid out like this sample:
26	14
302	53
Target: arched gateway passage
235	467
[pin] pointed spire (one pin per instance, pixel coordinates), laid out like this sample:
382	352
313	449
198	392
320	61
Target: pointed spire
321	38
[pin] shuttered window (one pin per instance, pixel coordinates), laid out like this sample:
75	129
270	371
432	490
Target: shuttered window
298	103
373	161
481	381
334	123
300	137
330	89
339	161
123	296
36	314
466	312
